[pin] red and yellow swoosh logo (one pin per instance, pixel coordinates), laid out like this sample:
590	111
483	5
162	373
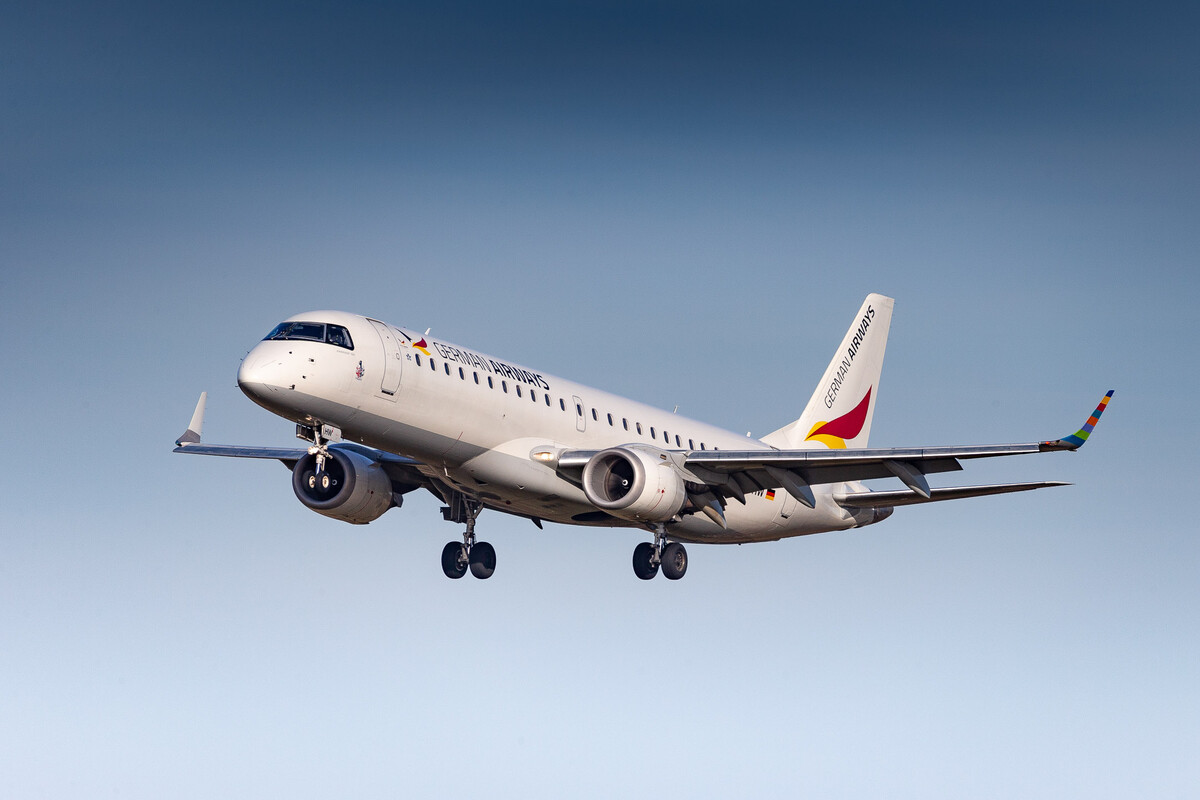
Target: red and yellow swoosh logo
833	434
421	345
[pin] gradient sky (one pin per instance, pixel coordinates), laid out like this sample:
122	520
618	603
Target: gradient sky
681	202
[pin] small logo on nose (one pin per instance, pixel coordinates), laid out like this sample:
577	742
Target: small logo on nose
358	373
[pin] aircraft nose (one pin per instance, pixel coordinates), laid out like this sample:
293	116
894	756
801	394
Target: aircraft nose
255	375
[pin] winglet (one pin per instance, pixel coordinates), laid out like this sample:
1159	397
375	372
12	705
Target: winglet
196	426
1076	440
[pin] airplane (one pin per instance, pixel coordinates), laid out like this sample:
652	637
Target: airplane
387	411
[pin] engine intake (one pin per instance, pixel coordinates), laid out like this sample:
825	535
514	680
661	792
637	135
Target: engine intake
351	487
634	483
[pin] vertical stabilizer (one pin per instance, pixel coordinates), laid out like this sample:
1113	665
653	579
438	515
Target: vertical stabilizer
839	413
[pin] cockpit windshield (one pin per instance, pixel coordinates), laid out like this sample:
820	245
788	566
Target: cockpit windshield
312	332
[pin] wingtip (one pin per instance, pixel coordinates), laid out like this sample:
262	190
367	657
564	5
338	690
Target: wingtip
1077	439
195	428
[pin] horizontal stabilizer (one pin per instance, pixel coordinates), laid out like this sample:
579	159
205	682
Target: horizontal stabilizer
901	497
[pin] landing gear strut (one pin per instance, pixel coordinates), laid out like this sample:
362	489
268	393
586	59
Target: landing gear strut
671	557
318	478
457	557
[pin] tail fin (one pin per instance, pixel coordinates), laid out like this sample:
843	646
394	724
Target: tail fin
839	413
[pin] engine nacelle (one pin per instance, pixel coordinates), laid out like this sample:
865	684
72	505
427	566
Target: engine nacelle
352	487
634	483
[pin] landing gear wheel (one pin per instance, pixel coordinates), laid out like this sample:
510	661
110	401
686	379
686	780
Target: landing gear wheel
644	565
454	561
483	560
674	561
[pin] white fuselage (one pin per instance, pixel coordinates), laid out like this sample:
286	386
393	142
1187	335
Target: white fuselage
475	421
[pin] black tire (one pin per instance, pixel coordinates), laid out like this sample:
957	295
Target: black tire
674	561
483	560
453	564
641	561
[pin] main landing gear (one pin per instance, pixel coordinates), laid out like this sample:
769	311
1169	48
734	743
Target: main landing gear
671	557
458	557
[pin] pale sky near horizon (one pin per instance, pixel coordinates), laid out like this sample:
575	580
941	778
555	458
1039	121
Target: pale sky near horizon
684	203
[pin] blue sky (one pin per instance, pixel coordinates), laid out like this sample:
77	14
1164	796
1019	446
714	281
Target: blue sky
684	203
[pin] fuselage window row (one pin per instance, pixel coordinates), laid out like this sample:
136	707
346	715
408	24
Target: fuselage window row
562	403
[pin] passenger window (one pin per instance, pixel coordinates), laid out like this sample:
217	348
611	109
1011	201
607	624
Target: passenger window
533	395
596	418
562	404
639	428
610	422
677	444
547	397
625	423
691	445
652	434
418	359
518	387
476	374
432	365
579	409
462	375
504	386
666	437
446	366
490	384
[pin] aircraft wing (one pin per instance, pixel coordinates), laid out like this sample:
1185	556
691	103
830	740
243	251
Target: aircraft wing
404	472
796	470
735	473
288	455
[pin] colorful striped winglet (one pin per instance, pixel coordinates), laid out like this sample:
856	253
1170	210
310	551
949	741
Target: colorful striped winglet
1080	436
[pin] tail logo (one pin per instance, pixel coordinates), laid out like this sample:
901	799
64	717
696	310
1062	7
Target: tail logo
833	434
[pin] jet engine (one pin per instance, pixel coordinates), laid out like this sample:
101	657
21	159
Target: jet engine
351	487
634	483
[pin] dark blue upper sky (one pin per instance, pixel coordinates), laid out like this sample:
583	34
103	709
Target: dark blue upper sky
230	83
